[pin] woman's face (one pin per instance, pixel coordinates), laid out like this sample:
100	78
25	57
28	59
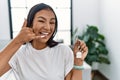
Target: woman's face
44	25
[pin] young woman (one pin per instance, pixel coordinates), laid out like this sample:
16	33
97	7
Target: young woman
41	58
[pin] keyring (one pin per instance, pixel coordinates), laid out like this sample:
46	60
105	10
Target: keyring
79	54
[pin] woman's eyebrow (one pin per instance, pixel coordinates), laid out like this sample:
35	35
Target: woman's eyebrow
45	18
41	17
52	19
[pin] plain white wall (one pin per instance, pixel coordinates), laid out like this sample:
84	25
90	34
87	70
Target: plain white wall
110	23
4	20
85	12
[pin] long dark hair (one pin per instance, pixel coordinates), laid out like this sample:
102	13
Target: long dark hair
30	17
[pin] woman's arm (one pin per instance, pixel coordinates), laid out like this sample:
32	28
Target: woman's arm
6	54
76	74
25	35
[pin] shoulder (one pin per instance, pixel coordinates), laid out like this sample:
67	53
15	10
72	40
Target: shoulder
23	47
62	46
21	50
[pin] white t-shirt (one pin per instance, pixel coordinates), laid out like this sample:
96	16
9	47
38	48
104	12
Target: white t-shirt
46	64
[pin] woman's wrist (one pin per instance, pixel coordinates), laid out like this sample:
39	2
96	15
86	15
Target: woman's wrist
18	41
78	67
78	64
78	61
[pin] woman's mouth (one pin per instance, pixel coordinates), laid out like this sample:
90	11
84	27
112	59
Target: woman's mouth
43	34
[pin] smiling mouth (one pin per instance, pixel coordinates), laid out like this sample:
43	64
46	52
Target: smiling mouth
43	34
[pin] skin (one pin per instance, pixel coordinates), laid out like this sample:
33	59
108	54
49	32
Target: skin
42	29
44	22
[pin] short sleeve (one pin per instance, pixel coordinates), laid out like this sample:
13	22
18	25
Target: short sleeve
69	60
13	61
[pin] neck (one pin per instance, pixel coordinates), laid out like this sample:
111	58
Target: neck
38	45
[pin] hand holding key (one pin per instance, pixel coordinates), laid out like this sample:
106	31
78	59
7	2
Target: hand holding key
80	52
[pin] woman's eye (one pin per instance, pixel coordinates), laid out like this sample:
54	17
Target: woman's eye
41	21
52	22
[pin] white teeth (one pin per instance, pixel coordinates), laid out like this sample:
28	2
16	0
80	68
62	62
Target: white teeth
44	33
42	36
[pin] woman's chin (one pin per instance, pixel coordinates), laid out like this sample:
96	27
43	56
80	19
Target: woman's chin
42	40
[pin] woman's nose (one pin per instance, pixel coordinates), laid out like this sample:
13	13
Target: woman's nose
47	26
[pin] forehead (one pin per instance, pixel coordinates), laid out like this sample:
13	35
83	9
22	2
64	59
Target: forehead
47	13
